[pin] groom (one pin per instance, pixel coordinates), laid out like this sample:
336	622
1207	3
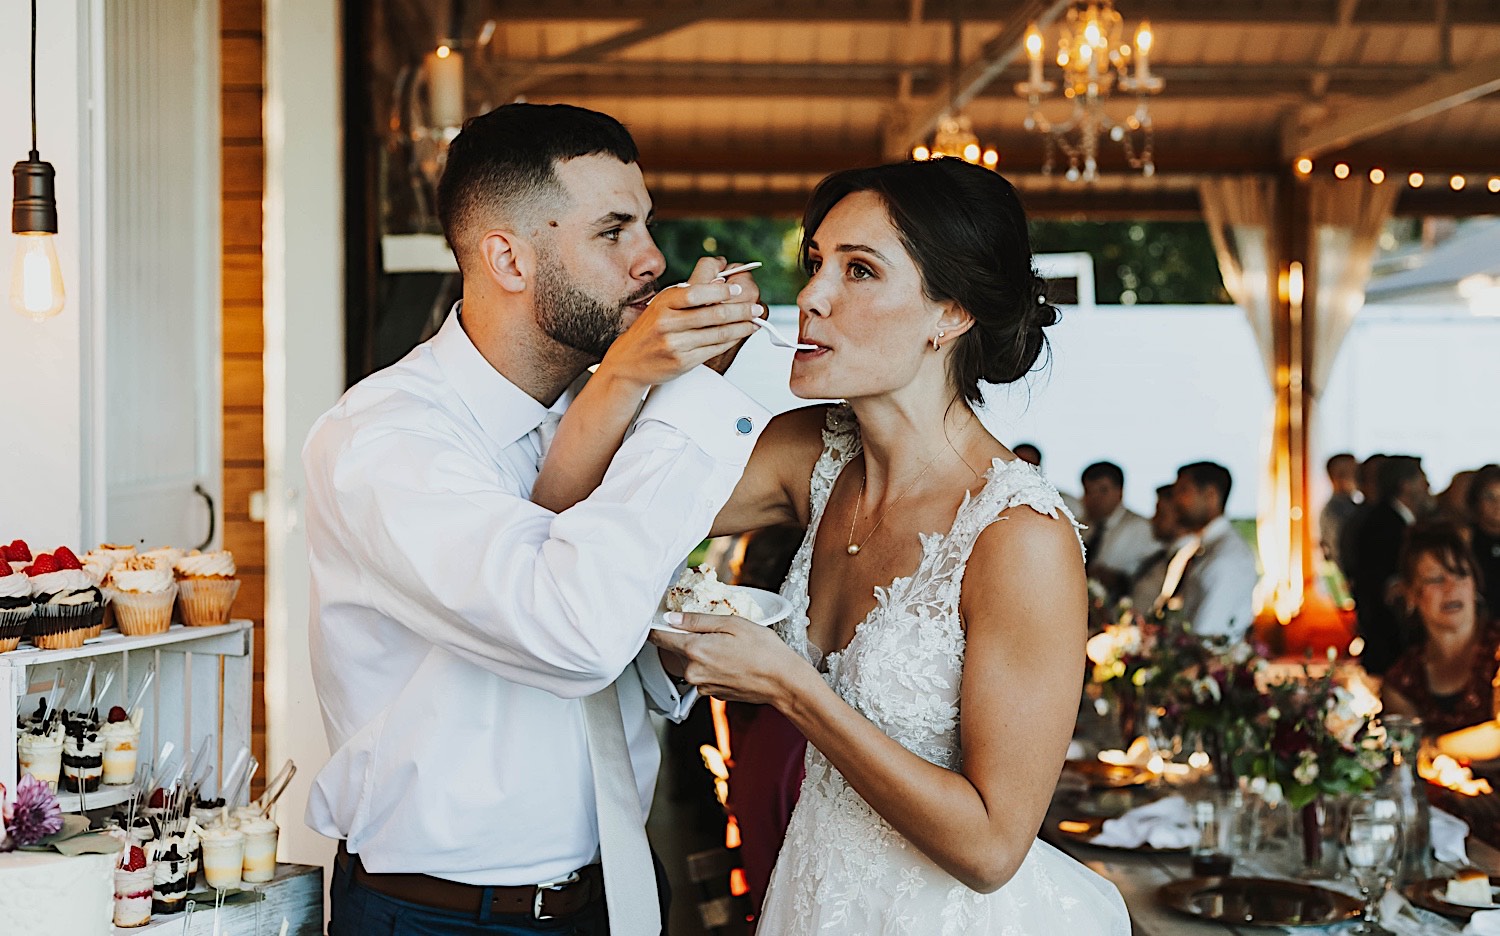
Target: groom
479	660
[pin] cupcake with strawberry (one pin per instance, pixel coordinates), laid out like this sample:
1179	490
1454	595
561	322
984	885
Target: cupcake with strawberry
206	585
15	607
141	591
17	555
66	604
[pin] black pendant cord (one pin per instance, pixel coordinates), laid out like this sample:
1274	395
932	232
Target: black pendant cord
35	156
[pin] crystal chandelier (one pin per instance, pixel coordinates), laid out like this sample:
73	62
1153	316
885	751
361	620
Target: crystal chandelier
955	135
1094	60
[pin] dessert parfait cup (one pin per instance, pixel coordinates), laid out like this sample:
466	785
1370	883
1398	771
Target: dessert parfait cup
223	857
260	849
133	895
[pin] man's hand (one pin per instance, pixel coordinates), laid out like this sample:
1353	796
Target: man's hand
685	326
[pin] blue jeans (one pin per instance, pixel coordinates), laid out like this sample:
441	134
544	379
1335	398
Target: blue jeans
358	911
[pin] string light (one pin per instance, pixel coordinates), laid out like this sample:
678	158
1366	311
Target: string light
1377	175
921	153
1456	183
443	51
1416	179
1494	185
1341	170
1304	166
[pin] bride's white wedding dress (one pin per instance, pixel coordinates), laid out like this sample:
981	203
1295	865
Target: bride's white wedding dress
842	868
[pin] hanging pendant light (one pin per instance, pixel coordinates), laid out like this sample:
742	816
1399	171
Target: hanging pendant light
955	136
36	283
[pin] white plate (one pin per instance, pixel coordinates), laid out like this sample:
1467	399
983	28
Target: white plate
774	608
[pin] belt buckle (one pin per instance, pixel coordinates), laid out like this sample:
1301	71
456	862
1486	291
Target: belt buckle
543	888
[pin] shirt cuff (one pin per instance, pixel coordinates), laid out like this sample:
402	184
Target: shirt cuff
662	692
719	417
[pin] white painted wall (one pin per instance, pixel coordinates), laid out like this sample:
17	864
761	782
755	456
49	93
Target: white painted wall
304	321
45	468
1148	387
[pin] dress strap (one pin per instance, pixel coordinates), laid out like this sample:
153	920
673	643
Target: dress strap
841	443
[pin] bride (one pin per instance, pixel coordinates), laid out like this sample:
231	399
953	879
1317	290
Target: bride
934	653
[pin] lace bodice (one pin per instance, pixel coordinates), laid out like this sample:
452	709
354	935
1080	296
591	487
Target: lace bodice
843	868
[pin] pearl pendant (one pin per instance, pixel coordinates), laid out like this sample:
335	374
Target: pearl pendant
853	549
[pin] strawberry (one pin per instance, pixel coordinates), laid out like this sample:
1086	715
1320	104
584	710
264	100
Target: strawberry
117	714
18	551
66	559
158	799
135	859
42	565
4	564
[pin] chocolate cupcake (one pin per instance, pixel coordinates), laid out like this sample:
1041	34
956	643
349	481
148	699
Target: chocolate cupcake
15	607
67	607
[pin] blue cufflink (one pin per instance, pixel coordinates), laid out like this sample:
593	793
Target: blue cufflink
743	425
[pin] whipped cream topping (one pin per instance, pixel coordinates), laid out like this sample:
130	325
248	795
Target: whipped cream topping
88	596
118	731
699	590
141	575
14	586
206	565
116	552
258	825
63	580
97	565
167	554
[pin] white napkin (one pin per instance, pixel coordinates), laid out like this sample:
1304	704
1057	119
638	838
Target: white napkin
1166	823
1448	833
1484	923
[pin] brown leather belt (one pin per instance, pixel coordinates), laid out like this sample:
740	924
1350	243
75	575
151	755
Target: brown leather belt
560	898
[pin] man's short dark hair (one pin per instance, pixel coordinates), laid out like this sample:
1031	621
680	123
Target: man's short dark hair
1483	480
1394	472
1339	459
504	162
1164	491
1209	474
1026	445
1104	469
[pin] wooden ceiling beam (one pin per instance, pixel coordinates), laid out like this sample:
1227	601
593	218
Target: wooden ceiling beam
1362	122
1313	13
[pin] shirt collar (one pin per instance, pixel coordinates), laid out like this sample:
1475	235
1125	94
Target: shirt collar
1115	518
503	410
1217	529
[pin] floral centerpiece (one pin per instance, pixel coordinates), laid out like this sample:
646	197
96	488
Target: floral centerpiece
1219	697
1139	662
1315	742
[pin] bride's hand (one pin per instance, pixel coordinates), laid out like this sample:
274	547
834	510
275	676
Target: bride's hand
731	658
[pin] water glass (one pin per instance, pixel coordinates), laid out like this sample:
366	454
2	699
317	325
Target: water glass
1372	837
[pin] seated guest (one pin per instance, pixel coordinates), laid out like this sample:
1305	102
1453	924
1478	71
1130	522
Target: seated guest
1403	498
1484	535
1118	540
766	774
1031	455
1214	573
1446	678
1170	537
1451	505
1343	472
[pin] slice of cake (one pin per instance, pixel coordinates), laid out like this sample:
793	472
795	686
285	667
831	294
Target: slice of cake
699	590
1470	888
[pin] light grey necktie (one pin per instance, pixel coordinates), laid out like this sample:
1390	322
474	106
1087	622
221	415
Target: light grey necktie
629	874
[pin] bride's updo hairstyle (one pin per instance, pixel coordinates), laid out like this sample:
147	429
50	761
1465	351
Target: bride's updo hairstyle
964	227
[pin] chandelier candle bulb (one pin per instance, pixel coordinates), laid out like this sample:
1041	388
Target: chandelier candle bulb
1034	52
1143	39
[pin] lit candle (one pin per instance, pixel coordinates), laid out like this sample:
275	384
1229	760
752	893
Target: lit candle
445	87
1034	52
1143	51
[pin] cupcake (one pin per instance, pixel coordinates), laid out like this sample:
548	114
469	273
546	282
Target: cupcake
141	590
17	555
207	586
15	607
166	554
66	604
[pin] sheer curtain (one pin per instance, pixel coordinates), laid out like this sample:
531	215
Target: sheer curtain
1241	215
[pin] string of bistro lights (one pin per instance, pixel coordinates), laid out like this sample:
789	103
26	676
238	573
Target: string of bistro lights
1457	181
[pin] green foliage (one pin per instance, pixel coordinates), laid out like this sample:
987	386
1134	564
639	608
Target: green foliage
772	241
1146	262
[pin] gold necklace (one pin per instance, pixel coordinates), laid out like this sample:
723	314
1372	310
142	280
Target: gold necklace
853	549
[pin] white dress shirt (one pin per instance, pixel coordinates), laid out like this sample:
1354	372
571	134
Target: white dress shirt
1218	589
1127	541
456	626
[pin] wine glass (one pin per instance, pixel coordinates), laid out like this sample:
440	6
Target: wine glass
1371	838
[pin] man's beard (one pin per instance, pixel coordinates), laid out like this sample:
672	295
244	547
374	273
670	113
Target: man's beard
574	318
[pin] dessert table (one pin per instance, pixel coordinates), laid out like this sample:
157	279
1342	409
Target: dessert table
1139	875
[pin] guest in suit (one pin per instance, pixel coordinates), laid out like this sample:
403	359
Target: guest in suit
1031	455
1216	582
1343	473
1404	496
1484	535
1446	678
1170	536
1369	496
1451	505
1118	539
